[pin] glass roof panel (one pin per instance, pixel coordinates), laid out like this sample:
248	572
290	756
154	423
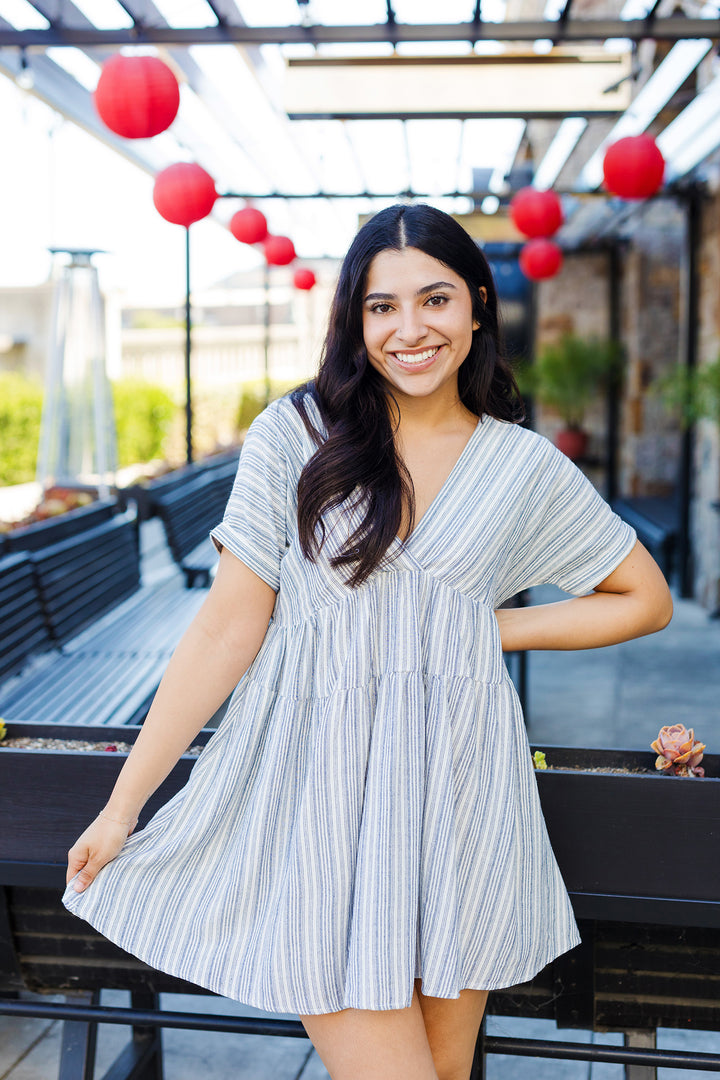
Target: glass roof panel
186	12
267	133
433	150
368	48
380	149
347	12
261	13
105	14
428	11
434	48
237	169
493	10
76	63
22	15
326	142
488	144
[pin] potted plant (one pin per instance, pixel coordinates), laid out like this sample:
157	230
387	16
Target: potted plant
567	377
694	393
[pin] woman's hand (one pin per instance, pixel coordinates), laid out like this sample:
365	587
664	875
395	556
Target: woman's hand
632	601
98	845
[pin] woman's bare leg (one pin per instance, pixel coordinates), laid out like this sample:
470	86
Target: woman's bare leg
452	1026
368	1044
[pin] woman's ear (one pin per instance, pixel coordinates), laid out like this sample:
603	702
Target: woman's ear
483	296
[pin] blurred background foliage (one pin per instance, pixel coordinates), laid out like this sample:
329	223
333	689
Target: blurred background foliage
150	421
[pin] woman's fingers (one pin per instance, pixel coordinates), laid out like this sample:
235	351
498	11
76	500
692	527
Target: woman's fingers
98	845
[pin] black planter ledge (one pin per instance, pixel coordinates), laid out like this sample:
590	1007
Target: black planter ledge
632	847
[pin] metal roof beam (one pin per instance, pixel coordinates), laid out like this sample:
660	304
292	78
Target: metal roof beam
672	28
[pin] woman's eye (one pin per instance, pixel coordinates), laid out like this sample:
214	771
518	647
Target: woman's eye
380	309
436	301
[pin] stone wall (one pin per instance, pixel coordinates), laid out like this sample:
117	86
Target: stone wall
650	331
706	517
652	315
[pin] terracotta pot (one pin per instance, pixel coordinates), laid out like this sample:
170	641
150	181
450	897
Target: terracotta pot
573	442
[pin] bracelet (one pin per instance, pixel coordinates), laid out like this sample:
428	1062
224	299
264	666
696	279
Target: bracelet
118	821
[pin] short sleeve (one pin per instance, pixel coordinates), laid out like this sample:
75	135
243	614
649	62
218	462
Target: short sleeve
575	539
254	526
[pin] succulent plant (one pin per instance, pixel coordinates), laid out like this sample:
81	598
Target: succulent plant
539	760
679	753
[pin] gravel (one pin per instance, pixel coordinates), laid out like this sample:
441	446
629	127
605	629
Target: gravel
27	743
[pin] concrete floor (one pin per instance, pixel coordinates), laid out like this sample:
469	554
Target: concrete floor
619	696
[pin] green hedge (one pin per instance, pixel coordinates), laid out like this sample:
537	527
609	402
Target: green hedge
144	414
150	422
20	412
252	399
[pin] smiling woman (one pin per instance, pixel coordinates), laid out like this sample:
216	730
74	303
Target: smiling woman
342	849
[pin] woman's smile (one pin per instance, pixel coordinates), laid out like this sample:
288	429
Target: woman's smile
418	360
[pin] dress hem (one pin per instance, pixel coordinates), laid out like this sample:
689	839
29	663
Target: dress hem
305	1009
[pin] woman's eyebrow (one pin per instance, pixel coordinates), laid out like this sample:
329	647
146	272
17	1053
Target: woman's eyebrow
421	292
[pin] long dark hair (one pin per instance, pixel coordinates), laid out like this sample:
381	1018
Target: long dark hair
358	457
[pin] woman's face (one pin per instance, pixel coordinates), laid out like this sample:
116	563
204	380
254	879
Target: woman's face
417	322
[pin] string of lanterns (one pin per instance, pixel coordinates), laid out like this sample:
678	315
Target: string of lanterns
138	97
633	168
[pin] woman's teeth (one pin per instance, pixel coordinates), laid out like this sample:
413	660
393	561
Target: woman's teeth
416	358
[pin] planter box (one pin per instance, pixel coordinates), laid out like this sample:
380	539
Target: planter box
47	797
639	846
634	847
42	534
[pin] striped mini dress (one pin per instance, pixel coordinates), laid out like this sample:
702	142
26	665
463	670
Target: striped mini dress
366	813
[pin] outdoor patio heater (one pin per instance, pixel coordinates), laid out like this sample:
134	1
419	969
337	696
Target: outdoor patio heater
77	434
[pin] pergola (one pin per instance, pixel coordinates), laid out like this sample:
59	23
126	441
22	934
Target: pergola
281	101
267	108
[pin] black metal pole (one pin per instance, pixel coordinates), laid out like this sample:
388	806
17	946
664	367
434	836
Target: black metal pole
690	334
267	333
252	1025
188	351
615	381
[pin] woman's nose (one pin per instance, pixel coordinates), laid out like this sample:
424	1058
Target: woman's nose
412	328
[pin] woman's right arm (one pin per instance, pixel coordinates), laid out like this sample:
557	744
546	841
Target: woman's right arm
211	658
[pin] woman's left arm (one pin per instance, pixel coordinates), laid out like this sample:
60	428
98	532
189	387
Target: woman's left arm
632	601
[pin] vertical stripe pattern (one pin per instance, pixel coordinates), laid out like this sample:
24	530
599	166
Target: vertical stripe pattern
367	812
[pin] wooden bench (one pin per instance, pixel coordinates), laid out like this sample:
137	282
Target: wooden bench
188	513
657	523
23	624
146	495
85	643
629	976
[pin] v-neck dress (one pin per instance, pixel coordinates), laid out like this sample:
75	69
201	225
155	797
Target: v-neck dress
367	812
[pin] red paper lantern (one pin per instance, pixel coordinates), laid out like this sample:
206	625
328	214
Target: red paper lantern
137	96
249	226
536	213
304	279
633	167
279	250
184	193
540	259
